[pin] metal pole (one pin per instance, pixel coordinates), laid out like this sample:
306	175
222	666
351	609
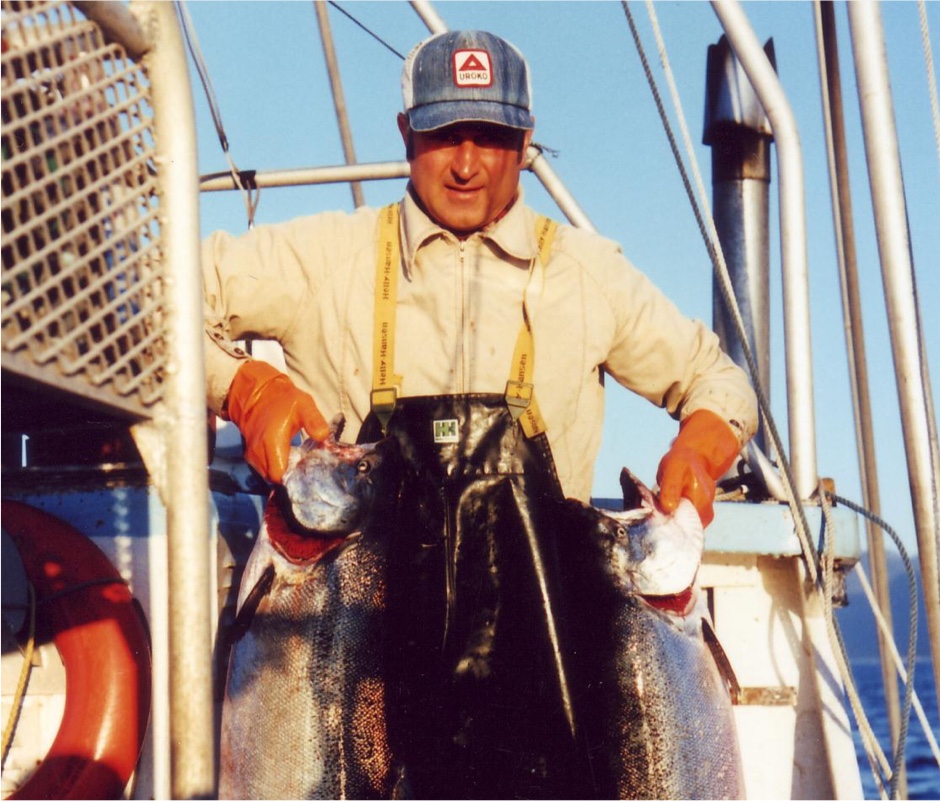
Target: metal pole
557	190
918	419
799	354
117	24
738	133
339	100
831	86
305	176
429	16
192	733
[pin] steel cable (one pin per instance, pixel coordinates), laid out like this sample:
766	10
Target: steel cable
931	77
820	580
912	635
250	192
713	246
873	748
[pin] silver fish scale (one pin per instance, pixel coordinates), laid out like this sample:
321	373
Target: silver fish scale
304	715
674	723
653	713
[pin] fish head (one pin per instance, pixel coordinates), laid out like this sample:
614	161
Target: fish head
648	553
330	487
666	549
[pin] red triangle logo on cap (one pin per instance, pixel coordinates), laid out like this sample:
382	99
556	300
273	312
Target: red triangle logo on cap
472	63
472	68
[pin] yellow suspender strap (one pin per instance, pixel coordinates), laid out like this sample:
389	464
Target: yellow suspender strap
520	390
385	383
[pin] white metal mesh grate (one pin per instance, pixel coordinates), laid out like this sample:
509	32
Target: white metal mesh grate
82	280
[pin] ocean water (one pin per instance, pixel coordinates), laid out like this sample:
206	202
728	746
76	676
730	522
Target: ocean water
923	774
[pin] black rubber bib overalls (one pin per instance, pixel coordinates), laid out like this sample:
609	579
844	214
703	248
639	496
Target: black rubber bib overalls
478	703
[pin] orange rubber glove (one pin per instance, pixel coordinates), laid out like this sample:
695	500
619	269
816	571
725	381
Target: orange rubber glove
705	448
269	410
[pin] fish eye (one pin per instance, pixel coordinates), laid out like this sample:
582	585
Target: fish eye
363	467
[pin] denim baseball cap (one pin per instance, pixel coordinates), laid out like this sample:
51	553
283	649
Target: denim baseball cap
464	76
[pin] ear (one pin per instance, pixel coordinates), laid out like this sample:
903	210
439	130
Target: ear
526	141
405	130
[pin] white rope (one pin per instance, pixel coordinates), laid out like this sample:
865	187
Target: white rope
931	76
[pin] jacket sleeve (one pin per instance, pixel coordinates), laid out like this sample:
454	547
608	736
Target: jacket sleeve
252	289
673	361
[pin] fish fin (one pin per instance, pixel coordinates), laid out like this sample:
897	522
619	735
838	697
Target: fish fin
635	493
246	612
337	424
721	660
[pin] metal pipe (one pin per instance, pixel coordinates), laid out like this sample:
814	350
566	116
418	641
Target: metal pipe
843	224
375	171
738	133
799	355
431	18
381	171
117	24
557	190
183	413
918	419
339	100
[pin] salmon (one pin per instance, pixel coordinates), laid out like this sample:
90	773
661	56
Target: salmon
303	715
652	689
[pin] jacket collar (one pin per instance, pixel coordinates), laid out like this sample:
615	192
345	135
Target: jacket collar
512	233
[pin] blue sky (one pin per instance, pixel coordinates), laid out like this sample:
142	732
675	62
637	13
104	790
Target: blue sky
592	105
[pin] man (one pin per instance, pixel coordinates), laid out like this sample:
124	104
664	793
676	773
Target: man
477	334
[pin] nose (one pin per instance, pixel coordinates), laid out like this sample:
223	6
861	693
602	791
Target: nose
465	161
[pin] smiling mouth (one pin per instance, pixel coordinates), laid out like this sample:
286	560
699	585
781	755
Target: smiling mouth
463	190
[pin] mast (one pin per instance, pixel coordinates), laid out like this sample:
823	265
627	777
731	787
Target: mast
918	418
844	229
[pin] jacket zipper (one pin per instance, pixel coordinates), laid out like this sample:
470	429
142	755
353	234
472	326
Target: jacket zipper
462	344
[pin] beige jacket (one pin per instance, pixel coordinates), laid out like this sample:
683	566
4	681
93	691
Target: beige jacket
308	284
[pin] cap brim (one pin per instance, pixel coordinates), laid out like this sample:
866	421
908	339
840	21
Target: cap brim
437	115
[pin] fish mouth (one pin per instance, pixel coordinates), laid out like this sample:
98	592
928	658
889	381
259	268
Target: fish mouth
674	604
297	544
332	515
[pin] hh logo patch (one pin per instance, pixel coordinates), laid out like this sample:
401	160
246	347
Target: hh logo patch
445	431
472	68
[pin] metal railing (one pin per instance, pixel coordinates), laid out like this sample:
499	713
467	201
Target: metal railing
82	273
101	287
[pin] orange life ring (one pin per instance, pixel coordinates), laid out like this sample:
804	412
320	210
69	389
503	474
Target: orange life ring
85	607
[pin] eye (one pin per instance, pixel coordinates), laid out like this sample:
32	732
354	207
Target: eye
363	467
621	532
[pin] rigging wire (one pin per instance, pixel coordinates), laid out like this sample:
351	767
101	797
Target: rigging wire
371	33
872	746
899	666
710	236
815	563
243	180
833	124
908	674
931	76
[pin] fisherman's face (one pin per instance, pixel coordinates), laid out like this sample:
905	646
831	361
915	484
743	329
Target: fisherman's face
465	174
